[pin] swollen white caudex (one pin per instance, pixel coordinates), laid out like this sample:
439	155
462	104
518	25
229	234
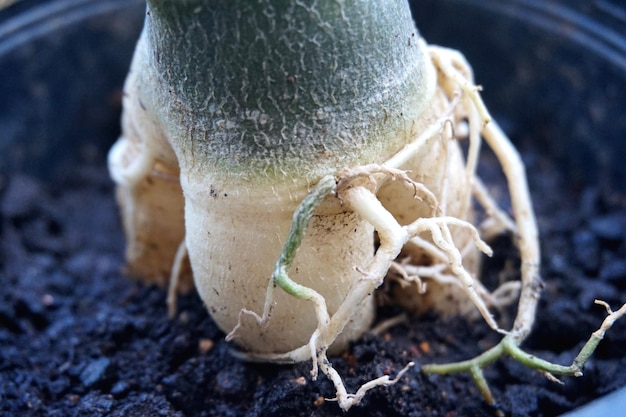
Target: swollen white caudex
266	142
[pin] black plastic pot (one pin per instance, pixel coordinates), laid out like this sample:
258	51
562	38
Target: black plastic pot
554	71
62	65
554	74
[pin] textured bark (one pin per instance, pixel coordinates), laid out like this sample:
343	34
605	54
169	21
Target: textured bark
270	88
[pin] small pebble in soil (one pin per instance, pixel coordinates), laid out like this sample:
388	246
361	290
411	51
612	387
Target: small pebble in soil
95	372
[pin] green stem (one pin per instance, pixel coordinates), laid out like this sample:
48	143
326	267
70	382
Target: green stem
481	382
482	360
301	218
509	345
284	86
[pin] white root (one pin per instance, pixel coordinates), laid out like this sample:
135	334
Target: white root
149	193
527	233
392	236
497	221
172	290
357	187
454	66
346	400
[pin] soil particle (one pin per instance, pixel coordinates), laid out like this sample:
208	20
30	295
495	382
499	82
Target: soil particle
77	338
94	372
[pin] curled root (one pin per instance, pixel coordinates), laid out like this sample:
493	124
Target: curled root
356	189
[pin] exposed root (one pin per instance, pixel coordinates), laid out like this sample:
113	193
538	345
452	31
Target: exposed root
392	237
356	188
130	161
497	221
416	275
377	175
385	325
455	70
345	400
509	346
503	296
172	289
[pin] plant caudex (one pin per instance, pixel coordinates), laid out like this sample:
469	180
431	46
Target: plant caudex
266	142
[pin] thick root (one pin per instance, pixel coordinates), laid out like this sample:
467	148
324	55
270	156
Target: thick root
149	193
431	234
420	202
355	188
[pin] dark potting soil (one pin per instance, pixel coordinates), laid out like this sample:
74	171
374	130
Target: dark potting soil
77	338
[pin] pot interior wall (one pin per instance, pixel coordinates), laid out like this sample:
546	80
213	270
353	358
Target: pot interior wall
62	65
554	74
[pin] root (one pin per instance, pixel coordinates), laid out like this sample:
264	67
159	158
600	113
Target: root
356	189
358	196
509	346
346	400
388	324
172	290
280	278
497	221
129	162
454	69
503	296
377	175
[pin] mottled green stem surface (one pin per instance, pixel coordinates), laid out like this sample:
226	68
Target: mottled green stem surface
287	86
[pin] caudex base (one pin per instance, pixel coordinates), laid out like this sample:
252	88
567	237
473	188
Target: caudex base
356	188
436	236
